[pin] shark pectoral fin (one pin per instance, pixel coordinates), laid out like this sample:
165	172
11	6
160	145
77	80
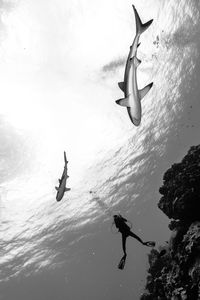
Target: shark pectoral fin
59	180
121	86
123	102
145	90
67	189
138	45
56	188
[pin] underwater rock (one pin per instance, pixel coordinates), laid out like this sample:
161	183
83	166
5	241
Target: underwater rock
174	272
181	188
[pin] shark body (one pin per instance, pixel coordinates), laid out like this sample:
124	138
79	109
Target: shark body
132	96
61	189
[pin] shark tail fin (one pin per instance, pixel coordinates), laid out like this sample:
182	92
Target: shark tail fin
65	158
140	27
145	90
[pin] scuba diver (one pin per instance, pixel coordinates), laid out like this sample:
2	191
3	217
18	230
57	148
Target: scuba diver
122	226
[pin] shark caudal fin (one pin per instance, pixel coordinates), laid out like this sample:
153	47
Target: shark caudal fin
65	158
145	90
140	28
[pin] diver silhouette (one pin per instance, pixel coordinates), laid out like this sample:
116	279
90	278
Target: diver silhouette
125	230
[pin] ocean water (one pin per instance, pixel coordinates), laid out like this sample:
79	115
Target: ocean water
60	64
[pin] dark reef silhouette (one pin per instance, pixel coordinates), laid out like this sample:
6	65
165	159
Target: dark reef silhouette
174	271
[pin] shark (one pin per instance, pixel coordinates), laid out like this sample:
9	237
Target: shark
61	189
133	96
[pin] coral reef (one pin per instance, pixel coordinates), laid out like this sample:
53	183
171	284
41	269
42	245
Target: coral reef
174	271
181	188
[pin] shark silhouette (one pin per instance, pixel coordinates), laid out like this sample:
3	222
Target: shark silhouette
61	189
133	96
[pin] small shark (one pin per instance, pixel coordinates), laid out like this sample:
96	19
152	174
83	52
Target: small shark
131	90
62	182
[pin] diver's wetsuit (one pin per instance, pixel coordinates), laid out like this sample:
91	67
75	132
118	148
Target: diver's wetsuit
125	230
121	224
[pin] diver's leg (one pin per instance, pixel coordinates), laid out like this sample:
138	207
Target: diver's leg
122	262
124	237
123	259
136	237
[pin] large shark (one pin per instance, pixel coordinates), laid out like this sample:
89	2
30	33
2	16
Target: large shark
133	96
62	182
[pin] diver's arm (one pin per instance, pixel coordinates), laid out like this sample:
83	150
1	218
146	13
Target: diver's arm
123	218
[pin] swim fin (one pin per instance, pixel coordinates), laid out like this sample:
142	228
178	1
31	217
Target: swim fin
122	262
150	244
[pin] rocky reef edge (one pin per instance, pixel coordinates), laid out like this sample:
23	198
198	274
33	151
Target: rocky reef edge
174	271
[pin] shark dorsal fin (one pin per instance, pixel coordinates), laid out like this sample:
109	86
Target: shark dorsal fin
136	61
145	90
121	86
123	102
